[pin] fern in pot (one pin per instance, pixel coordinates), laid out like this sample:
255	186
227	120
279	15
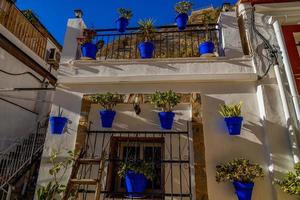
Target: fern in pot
108	101
123	20
58	123
233	117
182	8
147	30
166	101
136	174
242	173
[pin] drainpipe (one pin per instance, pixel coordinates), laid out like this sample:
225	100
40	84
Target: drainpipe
287	68
291	129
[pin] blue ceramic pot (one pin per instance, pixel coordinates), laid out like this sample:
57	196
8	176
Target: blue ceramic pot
107	118
146	49
122	24
57	124
243	190
206	47
234	125
89	50
181	21
166	120
135	184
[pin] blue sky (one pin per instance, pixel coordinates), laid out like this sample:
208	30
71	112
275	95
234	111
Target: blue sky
103	13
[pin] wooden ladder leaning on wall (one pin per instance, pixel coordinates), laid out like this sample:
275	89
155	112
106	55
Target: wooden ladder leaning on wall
73	182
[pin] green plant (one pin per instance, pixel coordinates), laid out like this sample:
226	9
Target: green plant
126	13
291	182
207	17
31	16
183	7
147	29
138	166
107	100
231	110
165	100
54	189
238	170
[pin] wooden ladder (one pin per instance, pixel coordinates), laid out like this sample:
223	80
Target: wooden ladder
76	182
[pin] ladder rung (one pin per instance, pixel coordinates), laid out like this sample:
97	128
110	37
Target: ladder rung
84	181
89	161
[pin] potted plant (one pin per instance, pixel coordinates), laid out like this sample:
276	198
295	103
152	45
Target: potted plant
182	8
58	123
122	21
206	46
135	174
88	48
291	182
108	101
232	117
242	174
166	101
147	30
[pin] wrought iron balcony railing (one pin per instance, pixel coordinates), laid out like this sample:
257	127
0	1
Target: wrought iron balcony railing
168	40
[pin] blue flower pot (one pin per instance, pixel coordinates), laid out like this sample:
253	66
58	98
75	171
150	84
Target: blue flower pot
166	119
206	47
122	24
181	21
135	184
243	190
146	49
234	125
89	50
107	118
57	124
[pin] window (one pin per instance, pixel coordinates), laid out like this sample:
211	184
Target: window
127	148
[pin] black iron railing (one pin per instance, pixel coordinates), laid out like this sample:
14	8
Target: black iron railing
168	40
168	151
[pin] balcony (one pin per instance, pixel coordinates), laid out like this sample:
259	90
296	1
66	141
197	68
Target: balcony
14	21
168	40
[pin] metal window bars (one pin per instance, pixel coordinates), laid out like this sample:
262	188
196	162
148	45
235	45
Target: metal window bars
168	40
174	163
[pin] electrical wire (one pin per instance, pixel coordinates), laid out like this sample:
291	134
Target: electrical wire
23	73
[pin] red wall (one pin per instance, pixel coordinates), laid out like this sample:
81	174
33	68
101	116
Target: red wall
267	1
290	42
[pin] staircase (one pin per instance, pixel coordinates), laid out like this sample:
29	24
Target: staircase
19	157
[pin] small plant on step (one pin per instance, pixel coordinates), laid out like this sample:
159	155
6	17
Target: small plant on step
54	189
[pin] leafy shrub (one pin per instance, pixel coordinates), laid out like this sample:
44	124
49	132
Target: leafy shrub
183	7
138	166
231	110
165	100
147	29
238	170
291	182
126	13
107	100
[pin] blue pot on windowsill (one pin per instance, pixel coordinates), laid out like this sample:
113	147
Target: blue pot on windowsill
107	118
122	24
135	184
89	50
243	190
166	119
207	47
234	125
181	21
57	124
146	49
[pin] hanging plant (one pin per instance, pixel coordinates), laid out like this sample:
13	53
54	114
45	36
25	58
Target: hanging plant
147	30
108	101
88	48
242	173
58	123
233	117
166	101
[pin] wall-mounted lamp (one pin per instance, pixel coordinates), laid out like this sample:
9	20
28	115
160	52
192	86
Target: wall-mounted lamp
136	104
78	13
